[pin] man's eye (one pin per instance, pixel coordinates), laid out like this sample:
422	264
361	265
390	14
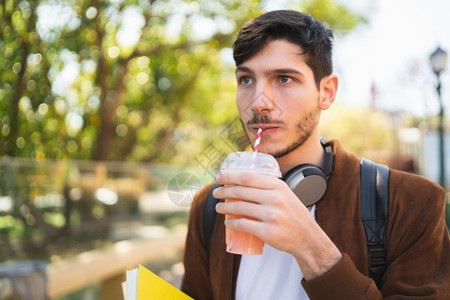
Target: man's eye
245	80
285	79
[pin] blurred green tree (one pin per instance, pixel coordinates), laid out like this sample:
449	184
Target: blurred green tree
123	80
25	88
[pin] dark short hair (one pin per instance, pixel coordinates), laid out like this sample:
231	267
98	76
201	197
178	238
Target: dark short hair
292	26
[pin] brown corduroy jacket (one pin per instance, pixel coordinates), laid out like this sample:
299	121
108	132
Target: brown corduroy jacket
417	242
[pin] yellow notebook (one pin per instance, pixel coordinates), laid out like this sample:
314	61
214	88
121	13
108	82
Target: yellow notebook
142	284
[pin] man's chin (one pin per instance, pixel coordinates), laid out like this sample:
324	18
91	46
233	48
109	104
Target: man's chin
269	150
279	152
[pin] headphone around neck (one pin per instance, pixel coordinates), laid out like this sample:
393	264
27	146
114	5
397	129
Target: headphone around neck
308	181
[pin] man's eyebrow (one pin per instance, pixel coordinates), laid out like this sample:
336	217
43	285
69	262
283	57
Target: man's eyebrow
270	72
243	69
283	71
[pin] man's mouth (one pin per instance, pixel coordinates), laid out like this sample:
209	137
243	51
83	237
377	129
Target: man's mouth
266	128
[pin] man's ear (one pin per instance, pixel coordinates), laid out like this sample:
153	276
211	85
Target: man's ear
328	90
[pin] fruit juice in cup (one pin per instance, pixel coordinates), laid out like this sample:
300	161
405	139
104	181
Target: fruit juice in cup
239	242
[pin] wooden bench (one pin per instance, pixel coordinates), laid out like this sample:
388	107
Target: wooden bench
108	266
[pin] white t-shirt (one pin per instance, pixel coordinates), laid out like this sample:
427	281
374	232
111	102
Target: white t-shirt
273	275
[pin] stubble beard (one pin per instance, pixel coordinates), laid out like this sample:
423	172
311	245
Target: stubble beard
304	129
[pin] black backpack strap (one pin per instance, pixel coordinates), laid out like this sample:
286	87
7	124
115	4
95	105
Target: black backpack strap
210	215
374	214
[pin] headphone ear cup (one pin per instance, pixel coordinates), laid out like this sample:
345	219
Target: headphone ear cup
308	182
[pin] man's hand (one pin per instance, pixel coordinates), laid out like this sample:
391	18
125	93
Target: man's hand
282	221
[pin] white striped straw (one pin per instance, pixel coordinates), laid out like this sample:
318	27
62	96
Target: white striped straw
256	146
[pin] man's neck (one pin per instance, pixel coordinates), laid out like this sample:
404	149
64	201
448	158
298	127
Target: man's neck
311	152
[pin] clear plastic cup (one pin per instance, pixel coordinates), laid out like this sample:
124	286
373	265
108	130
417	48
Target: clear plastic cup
239	242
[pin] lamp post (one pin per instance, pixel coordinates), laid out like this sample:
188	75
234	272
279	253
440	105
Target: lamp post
438	60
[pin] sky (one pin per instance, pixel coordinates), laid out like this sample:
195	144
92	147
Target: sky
392	52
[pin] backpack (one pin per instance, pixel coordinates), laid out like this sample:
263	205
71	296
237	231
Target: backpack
374	214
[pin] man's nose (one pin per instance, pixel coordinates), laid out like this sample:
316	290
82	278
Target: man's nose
262	102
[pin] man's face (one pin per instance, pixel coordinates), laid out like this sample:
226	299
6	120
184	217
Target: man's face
276	92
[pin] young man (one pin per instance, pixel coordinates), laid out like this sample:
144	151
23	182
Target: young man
284	80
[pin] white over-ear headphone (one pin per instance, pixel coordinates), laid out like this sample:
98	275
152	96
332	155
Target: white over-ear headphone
308	181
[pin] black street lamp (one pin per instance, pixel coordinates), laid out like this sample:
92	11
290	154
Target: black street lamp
438	60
